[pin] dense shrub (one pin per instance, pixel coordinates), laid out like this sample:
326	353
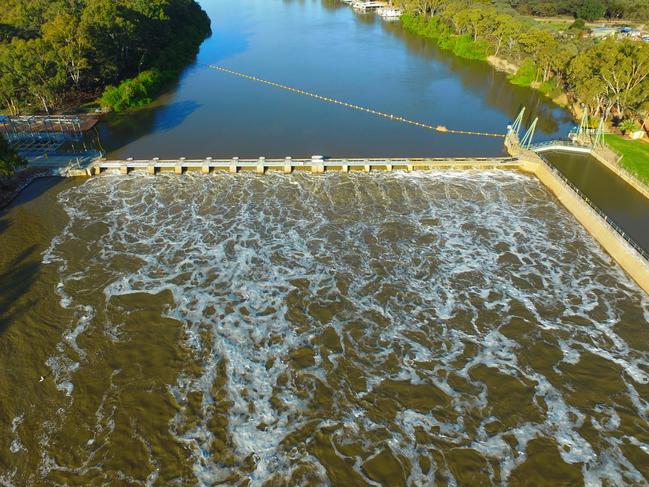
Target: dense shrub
527	74
462	45
134	92
9	160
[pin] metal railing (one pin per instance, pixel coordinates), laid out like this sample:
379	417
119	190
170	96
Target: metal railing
596	209
608	154
568	144
297	162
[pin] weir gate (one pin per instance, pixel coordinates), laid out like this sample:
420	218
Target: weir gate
523	157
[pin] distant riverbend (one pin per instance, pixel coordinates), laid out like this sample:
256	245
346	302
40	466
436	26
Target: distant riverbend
337	53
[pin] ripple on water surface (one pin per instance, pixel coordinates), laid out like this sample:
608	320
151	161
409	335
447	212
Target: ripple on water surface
369	329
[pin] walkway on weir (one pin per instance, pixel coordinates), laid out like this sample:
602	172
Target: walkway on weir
315	164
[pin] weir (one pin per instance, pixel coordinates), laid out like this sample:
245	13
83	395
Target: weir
633	259
315	164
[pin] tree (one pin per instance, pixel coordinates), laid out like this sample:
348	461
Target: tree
9	160
613	73
590	10
52	51
69	45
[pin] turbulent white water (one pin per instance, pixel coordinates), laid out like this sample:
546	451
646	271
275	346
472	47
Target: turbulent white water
355	315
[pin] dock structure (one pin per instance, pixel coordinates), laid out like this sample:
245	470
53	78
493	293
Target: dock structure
13	126
36	135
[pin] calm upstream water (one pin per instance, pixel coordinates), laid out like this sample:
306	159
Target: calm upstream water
325	48
433	328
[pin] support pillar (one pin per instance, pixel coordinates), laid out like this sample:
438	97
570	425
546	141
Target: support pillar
123	170
317	164
288	165
178	168
345	168
261	169
150	169
367	167
410	167
207	165
388	167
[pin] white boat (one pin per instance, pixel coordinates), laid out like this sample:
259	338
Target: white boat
390	13
365	6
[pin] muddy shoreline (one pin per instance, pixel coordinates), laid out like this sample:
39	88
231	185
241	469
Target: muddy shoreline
12	186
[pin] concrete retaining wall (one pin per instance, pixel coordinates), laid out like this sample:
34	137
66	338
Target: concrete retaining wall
625	255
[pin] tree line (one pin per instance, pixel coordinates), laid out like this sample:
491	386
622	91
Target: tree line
584	9
610	77
58	52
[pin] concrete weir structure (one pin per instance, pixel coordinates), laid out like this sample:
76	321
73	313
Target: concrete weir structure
315	164
633	259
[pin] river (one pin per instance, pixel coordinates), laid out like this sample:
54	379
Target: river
442	327
323	47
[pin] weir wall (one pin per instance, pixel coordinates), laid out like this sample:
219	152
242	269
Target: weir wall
630	259
623	252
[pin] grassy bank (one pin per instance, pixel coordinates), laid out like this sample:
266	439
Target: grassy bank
461	45
147	85
635	155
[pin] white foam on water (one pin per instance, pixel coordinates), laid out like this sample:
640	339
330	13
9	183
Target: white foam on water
16	443
6	479
437	266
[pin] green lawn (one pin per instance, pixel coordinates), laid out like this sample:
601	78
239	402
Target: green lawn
558	25
635	152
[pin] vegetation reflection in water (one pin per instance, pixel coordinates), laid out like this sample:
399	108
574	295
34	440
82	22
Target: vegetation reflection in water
350	329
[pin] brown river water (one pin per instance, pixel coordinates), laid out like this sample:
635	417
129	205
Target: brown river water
433	328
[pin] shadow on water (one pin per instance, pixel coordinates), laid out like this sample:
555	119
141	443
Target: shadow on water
35	189
222	45
118	130
170	116
15	282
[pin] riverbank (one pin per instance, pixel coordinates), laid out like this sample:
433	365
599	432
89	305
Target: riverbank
635	155
567	68
142	89
12	186
90	52
466	47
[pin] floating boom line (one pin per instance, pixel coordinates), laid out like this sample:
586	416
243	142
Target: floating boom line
438	128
